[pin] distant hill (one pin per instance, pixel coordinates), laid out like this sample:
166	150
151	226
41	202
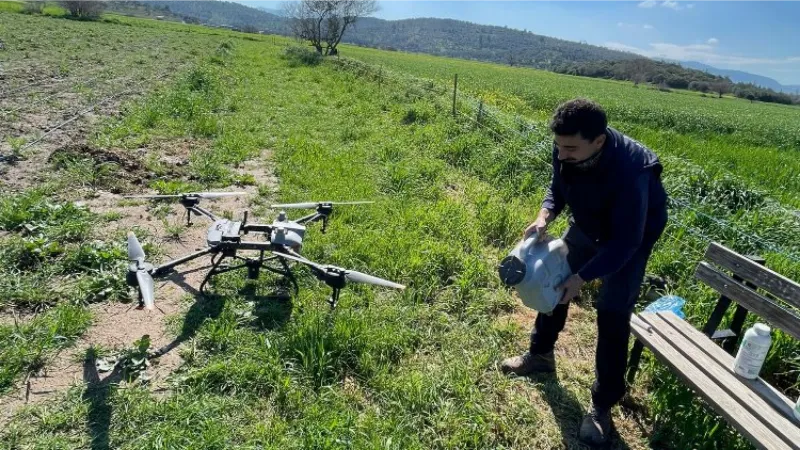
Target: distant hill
443	37
459	39
277	12
227	14
738	76
466	40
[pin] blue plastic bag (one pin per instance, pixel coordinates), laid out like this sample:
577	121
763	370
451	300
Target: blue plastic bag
668	303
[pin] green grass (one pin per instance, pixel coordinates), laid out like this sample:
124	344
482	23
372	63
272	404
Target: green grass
748	140
386	369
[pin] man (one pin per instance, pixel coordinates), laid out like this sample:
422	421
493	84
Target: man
612	185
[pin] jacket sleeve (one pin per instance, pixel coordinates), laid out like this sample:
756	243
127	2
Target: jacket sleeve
628	224
554	198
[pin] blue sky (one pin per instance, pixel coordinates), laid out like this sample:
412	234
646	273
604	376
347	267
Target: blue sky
757	37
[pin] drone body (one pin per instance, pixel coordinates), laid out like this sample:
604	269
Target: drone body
282	239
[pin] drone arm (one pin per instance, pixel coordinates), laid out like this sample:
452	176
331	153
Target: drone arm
203	211
166	267
310	218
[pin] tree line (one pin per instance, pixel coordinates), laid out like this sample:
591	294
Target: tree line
669	75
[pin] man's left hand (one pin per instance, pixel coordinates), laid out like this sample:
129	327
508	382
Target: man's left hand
571	288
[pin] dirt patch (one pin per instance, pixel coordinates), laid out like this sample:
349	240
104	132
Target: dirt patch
126	168
129	163
567	394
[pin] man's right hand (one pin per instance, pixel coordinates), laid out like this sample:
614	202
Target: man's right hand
539	226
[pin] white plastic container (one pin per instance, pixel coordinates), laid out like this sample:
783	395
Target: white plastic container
534	269
753	351
797	410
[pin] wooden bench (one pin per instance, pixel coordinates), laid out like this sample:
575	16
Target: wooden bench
756	409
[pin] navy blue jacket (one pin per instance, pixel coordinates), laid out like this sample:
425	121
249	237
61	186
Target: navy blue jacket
620	203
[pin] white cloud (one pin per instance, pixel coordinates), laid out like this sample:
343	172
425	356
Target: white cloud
713	41
633	25
672	4
705	53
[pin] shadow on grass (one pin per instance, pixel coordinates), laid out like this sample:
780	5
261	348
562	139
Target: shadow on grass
208	306
97	394
270	311
568	413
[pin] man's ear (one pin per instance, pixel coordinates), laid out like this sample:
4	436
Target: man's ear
600	141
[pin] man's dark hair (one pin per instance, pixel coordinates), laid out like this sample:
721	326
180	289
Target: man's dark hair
579	116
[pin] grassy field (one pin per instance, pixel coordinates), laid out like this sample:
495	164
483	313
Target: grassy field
415	369
726	134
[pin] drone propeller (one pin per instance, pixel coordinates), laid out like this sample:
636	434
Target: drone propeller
350	275
306	205
135	250
142	270
191	194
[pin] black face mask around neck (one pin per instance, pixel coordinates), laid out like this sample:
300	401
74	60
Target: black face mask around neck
587	163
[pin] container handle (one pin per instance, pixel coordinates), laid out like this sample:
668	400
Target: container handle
528	243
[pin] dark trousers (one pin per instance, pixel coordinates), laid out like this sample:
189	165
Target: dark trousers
615	304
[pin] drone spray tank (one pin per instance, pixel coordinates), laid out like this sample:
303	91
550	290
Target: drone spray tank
286	232
534	269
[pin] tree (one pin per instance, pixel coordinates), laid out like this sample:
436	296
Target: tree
324	22
84	9
720	87
701	86
32	8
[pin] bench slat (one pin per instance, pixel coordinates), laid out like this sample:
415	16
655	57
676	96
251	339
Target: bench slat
764	389
769	280
785	319
725	378
742	419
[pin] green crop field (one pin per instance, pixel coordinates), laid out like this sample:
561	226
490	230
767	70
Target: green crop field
728	134
177	107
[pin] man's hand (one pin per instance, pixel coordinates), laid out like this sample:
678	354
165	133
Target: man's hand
571	287
539	226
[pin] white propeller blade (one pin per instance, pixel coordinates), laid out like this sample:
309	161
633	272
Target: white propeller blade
306	205
135	250
218	194
191	194
351	275
360	277
147	288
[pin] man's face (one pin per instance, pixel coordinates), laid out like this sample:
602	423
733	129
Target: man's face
574	149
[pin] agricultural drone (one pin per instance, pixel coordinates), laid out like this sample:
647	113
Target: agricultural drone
282	239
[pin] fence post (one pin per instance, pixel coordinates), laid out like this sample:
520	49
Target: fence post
380	77
480	111
455	89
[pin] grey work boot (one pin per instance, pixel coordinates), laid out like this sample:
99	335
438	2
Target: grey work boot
527	364
596	427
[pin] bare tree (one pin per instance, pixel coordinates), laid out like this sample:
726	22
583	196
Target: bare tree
32	7
637	70
324	22
720	87
84	9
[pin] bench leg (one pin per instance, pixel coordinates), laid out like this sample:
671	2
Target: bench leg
633	362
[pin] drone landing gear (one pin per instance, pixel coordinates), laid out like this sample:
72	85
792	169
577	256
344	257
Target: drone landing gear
337	283
253	266
334	298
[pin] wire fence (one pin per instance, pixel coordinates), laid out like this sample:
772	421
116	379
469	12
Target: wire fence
474	110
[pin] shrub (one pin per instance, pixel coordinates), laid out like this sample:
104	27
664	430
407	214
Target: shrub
301	56
32	8
84	9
